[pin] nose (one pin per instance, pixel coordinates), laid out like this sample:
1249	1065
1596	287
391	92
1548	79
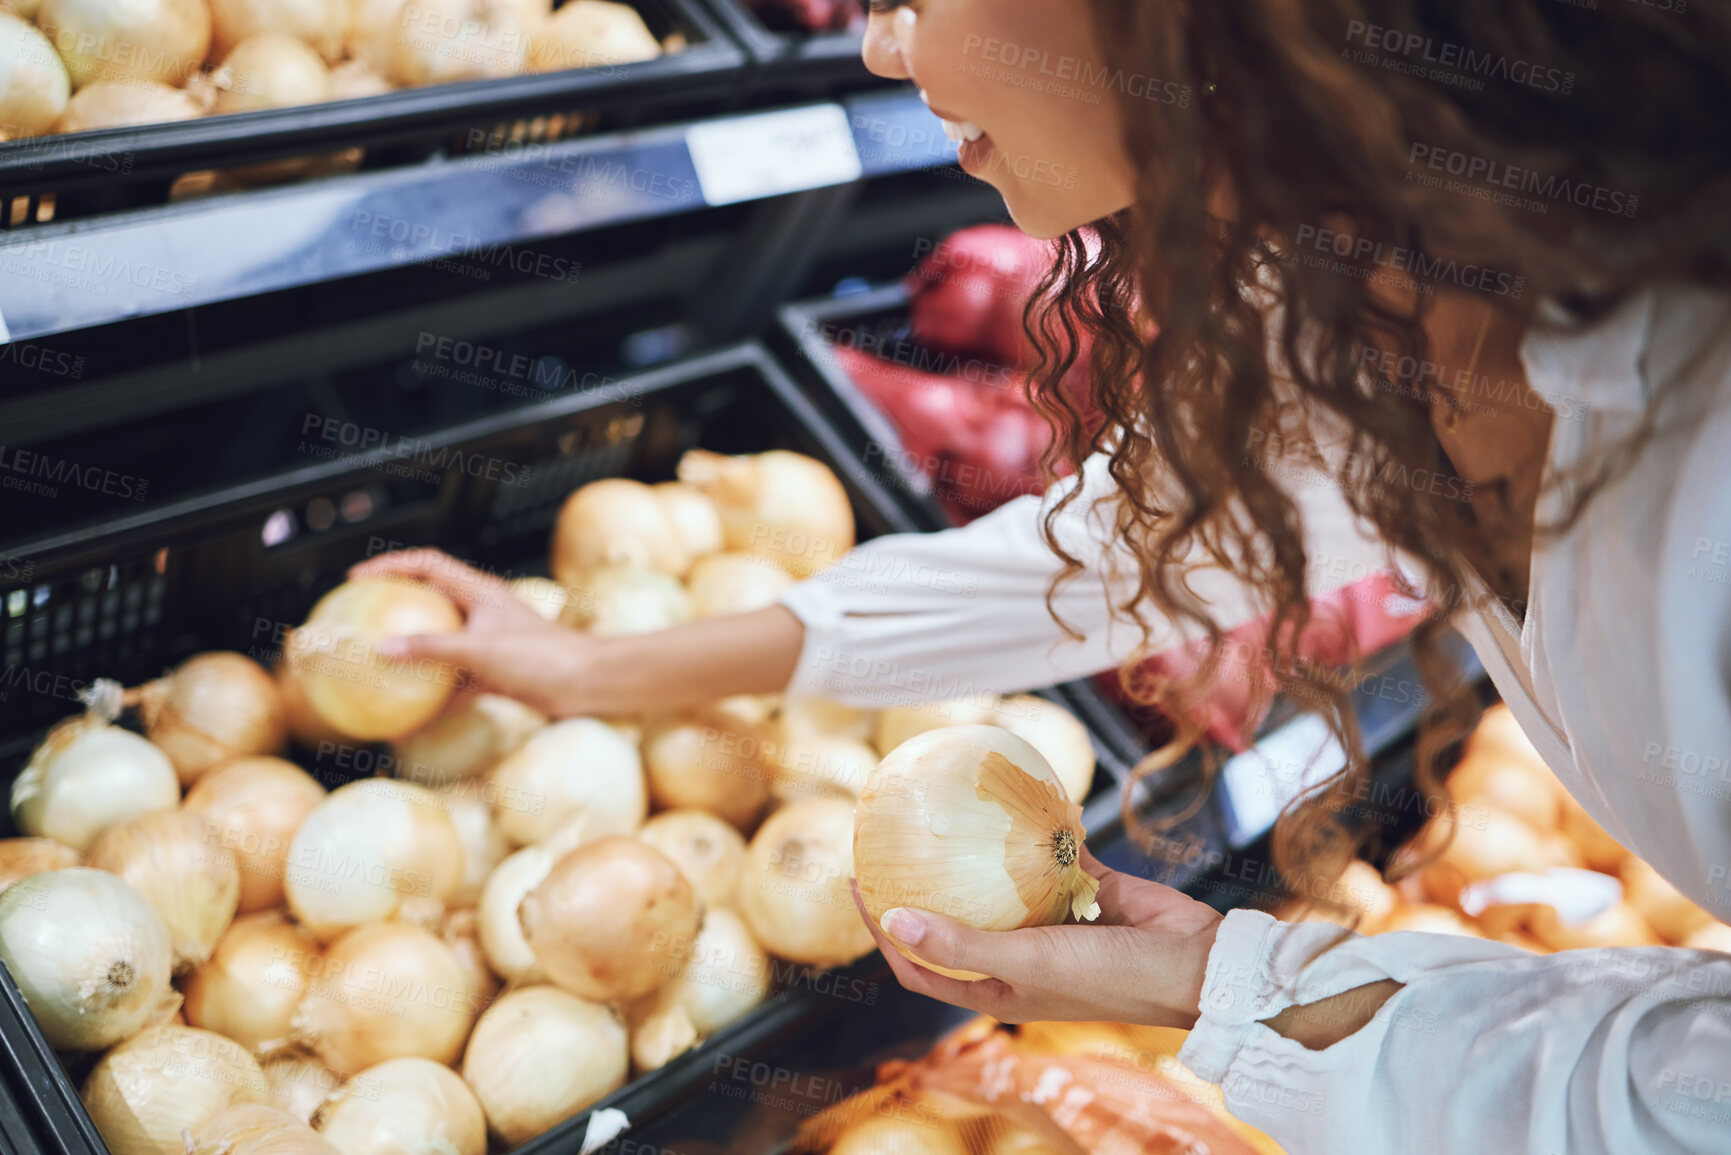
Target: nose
884	37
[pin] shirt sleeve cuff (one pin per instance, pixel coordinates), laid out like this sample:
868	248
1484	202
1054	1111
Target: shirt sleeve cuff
1237	991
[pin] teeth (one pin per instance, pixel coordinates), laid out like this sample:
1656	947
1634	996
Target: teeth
963	130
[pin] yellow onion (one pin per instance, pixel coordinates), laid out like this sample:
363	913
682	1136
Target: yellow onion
694	517
794	894
543	595
299	1083
712	762
254	981
620	599
779	504
899	723
270	70
167	1080
1497	782
540	1055
370	31
501	934
178	863
371	850
34	85
255	1129
213	707
305	725
256	805
709	852
605	922
22	857
86	776
735	583
971	823
576	768
161	40
386	990
319	23
1665	908
467	740
1057	734
88	953
820	716
484	844
726	973
822	764
347	683
123	104
615	522
402	1106
438	41
591	34
461	931
1486	843
1499	737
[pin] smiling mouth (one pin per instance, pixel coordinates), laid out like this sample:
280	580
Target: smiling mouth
958	130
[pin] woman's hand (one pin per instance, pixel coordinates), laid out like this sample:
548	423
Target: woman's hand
1141	962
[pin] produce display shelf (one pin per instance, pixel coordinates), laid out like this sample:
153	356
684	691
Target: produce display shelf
134	166
126	597
57	278
812	63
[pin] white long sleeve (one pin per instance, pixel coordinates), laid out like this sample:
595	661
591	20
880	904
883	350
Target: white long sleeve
1486	1049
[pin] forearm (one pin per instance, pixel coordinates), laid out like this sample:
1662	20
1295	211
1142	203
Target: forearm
691	664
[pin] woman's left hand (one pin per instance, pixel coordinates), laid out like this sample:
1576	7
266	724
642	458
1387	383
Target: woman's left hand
1142	961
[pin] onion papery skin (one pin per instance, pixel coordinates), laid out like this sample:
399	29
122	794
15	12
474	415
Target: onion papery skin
270	70
779	504
592	34
368	851
402	1106
540	1055
484	844
254	1129
22	857
467	740
1060	737
178	863
610	919
694	517
253	983
617	600
256	805
34	85
818	765
711	762
899	723
615	522
299	1083
736	583
709	851
318	23
970	822
387	990
161	40
308	729
86	776
214	707
166	1080
794	894
89	954
580	767
726	974
115	104
347	683
439	41
502	940
461	931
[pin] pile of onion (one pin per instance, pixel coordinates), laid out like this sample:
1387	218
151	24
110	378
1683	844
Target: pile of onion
123	104
270	70
252	985
899	723
726	974
615	522
795	895
708	851
540	1055
438	41
85	776
576	768
733	582
467	740
695	520
176	860
256	805
34	86
591	34
165	1081
214	707
711	761
254	1129
126	40
818	764
970	822
404	1105
615	600
320	23
299	1083
778	504
545	596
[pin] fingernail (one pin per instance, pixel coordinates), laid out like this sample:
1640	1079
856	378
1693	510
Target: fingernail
904	926
394	648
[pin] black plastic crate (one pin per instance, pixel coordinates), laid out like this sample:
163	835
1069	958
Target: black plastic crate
793	64
132	595
75	175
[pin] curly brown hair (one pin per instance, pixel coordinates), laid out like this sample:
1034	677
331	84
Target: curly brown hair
1326	118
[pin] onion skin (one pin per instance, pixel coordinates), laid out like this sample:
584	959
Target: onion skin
461	931
113	104
22	857
319	23
590	34
86	776
256	805
708	850
305	726
1057	734
484	844
299	1083
609	920
709	762
402	1106
726	974
694	517
795	895
34	85
735	583
214	707
613	522
779	504
471	737
540	1055
543	595
439	41
177	862
254	1129
899	723
253	983
167	1080
823	764
617	600
269	70
161	40
580	767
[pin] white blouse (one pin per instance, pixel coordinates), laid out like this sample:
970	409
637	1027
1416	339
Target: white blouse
1620	674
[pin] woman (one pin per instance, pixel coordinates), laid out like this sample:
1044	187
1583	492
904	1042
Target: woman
1486	241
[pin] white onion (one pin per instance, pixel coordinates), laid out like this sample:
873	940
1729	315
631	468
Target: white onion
695	519
161	40
590	34
370	31
710	762
90	956
123	104
726	974
576	768
346	682
167	1080
254	981
401	1107
540	1055
708	851
176	860
607	919
255	1129
971	823
22	857
618	600
501	933
615	521
270	70
299	1083
438	41
213	707
368	850
780	504
823	764
545	596
257	804
461	931
86	776
387	990
468	739
34	85
736	583
484	844
795	895
319	23
1057	734
899	723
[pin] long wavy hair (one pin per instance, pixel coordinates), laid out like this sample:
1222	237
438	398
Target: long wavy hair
1324	118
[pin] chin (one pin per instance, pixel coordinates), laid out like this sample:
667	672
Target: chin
1043	222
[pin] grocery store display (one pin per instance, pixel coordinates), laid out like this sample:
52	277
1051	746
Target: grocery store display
192	882
146	1093
779	504
34	86
87	775
212	708
971	822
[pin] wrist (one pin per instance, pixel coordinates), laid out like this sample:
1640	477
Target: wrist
1195	976
582	672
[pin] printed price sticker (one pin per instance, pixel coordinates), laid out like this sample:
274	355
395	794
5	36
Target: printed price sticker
748	157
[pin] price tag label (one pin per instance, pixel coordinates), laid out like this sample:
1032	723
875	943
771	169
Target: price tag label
747	157
1260	782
